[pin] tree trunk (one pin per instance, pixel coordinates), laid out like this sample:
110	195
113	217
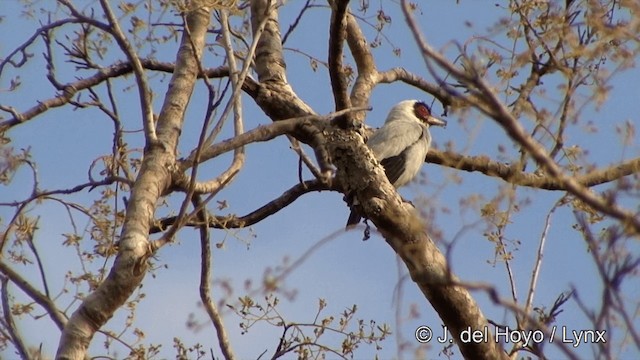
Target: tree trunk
154	178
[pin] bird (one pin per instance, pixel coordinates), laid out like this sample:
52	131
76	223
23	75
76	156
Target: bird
401	144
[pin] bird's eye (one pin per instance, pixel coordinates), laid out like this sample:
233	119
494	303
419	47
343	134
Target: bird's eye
422	111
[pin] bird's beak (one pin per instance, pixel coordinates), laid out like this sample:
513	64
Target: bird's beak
434	121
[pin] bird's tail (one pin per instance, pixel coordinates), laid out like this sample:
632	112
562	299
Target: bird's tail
354	219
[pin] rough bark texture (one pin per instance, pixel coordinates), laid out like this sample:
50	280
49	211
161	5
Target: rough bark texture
359	174
154	177
404	231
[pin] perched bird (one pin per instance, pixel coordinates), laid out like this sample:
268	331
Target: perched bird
401	144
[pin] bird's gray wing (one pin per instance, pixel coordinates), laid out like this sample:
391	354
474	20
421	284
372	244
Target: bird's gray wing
391	144
393	138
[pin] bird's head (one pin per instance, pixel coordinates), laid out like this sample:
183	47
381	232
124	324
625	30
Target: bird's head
414	110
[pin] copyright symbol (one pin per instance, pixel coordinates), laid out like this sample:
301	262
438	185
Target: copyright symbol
423	334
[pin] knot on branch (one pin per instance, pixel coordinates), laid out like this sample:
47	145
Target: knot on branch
68	91
356	165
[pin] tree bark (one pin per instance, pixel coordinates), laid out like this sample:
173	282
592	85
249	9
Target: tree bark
154	178
359	174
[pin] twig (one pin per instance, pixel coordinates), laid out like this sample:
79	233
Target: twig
16	338
304	158
296	21
401	74
41	299
205	283
538	265
22	49
141	78
494	108
115	70
272	207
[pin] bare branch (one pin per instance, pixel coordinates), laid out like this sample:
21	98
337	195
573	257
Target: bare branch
514	175
365	64
205	283
270	64
296	22
274	95
233	221
304	158
400	74
495	109
41	299
130	265
141	78
115	70
535	273
305	127
15	336
337	35
495	297
259	134
22	49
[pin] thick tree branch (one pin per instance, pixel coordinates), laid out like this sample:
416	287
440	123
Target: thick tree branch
365	64
337	36
270	64
401	226
275	96
130	265
513	174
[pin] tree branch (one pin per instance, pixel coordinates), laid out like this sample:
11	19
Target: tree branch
275	96
130	265
514	175
272	207
337	35
365	64
141	78
400	224
494	108
401	74
41	299
115	70
15	336
22	49
305	127
205	282
270	64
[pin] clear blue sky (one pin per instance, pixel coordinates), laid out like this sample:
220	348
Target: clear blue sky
344	271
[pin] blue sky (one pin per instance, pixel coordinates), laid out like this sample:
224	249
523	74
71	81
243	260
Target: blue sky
345	270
